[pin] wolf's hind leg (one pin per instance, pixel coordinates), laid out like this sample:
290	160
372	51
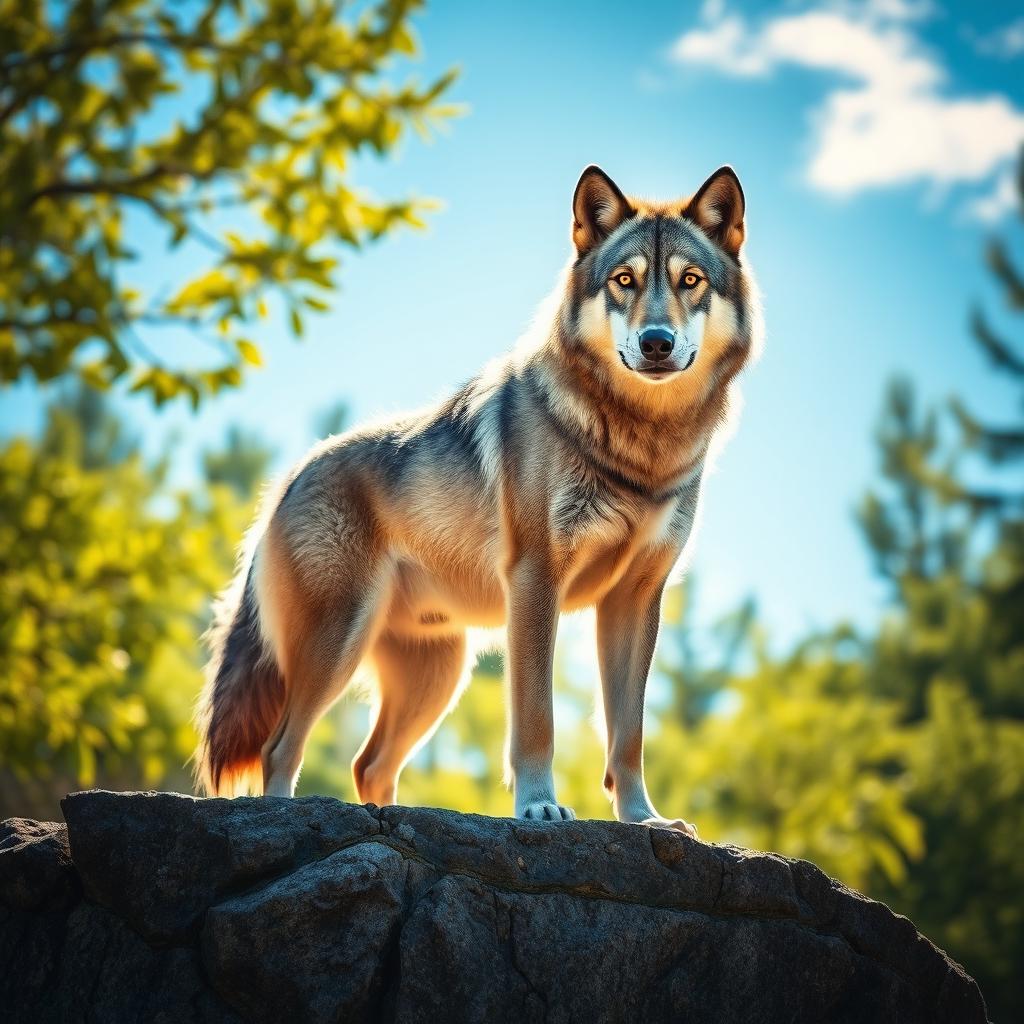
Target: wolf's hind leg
418	682
323	650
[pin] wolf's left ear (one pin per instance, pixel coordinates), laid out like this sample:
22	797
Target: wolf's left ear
598	208
718	209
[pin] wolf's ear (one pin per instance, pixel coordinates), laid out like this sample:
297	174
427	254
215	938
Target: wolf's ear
718	209
598	208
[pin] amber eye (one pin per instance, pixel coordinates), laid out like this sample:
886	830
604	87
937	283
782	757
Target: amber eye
624	280
690	279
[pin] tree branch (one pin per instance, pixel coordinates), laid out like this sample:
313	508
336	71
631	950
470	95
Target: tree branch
80	47
97	186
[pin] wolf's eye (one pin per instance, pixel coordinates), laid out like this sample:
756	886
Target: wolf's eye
624	280
690	279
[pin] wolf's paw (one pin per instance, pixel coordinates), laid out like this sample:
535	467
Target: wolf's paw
677	823
547	812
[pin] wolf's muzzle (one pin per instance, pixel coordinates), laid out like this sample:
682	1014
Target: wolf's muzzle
656	343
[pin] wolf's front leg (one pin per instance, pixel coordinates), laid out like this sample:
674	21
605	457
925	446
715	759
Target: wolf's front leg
627	630
532	622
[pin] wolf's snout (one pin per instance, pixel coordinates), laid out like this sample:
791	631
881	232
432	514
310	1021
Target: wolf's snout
656	343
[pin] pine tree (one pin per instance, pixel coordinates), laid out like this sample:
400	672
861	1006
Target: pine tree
947	531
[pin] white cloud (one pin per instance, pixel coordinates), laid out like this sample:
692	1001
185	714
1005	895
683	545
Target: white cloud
1006	42
1001	200
892	118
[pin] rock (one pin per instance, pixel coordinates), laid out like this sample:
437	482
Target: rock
37	871
335	917
157	907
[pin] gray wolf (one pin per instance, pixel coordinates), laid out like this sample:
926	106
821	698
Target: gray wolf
566	475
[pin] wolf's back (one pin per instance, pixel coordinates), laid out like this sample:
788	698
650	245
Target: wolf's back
242	699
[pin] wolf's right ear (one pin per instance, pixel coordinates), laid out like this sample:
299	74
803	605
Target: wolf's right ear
598	208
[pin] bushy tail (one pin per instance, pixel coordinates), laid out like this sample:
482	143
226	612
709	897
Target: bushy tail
242	699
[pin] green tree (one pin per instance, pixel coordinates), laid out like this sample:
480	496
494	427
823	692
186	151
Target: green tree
240	463
947	531
699	665
106	574
781	753
228	126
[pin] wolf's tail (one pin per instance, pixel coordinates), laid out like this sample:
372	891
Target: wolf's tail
242	699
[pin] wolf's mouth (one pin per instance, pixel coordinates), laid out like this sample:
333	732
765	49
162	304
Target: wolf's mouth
656	370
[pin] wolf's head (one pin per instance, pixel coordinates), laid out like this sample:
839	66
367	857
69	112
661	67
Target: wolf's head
659	290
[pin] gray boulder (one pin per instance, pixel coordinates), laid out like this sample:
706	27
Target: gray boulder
158	907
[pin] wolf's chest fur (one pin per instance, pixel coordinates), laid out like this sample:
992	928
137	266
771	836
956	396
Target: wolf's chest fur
581	508
450	573
598	530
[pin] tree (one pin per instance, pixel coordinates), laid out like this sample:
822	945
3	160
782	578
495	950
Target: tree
241	463
947	531
229	127
780	753
700	668
106	581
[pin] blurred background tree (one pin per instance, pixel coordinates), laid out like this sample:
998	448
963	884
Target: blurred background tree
252	184
106	574
946	530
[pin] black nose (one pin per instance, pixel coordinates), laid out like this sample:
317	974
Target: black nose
656	343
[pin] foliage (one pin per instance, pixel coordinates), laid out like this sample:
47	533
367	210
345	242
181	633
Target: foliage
797	758
241	463
947	531
248	170
105	579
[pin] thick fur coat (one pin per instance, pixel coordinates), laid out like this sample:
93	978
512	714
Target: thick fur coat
567	475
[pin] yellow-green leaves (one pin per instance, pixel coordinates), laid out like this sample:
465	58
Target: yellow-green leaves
271	102
106	577
249	352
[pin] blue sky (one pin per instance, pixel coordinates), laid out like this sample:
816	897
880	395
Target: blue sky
874	142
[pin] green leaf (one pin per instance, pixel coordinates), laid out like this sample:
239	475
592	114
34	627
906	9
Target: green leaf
280	179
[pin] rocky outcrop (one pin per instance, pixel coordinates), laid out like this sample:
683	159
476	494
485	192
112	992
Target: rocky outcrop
156	907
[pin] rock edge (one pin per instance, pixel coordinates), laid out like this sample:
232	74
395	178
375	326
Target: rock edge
162	907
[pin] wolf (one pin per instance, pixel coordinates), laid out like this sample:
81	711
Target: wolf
566	475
